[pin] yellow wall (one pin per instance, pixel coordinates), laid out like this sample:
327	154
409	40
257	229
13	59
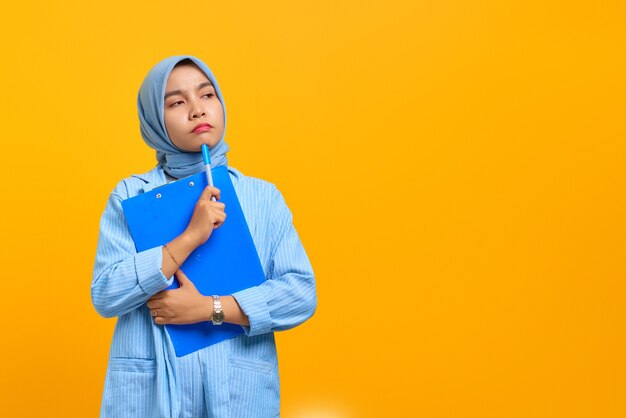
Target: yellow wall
455	169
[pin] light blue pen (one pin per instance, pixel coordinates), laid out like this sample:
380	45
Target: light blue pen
207	166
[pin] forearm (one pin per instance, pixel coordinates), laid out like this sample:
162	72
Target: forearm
121	286
232	311
123	279
288	297
279	303
179	250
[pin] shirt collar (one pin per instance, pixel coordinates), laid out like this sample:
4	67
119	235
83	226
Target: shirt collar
152	179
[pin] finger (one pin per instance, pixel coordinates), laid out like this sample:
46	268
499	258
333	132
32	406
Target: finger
210	191
219	221
159	320
218	205
152	304
159	295
206	193
182	278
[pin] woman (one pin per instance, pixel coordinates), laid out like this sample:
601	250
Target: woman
180	108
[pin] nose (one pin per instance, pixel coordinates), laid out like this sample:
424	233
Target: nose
197	110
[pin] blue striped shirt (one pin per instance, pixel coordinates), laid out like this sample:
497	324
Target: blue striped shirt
235	378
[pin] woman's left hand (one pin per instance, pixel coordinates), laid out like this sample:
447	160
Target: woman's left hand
184	305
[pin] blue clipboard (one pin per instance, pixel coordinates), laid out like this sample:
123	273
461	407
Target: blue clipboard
226	263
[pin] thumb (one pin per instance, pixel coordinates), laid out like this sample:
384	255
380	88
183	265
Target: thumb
210	191
183	280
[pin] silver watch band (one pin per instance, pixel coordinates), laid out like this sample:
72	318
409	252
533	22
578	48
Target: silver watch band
217	316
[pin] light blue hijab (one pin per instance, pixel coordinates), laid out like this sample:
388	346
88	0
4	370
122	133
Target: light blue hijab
175	161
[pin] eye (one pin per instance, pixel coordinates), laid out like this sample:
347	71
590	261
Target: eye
177	103
207	95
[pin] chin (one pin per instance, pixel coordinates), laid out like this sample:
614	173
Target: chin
210	144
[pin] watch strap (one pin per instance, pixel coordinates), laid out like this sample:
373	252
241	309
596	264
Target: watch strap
217	317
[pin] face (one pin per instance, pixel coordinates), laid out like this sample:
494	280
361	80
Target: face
193	114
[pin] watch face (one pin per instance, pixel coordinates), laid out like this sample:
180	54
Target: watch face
218	316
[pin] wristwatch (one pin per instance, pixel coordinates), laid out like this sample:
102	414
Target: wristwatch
218	315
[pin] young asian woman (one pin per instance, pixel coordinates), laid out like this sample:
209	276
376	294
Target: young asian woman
181	107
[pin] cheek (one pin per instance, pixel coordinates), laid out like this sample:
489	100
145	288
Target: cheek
218	110
167	119
170	122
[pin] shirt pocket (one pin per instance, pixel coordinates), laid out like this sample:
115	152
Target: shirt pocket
130	388
254	388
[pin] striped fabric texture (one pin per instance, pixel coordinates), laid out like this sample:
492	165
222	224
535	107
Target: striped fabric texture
235	378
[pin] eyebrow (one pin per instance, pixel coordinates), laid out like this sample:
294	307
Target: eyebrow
175	92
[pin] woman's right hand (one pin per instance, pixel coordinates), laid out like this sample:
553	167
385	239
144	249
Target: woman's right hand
207	215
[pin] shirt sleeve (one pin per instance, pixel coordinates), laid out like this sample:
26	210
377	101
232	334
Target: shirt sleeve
123	279
288	297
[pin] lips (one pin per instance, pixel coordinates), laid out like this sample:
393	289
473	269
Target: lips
202	127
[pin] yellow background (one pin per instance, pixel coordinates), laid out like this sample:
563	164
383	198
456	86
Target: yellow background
455	169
